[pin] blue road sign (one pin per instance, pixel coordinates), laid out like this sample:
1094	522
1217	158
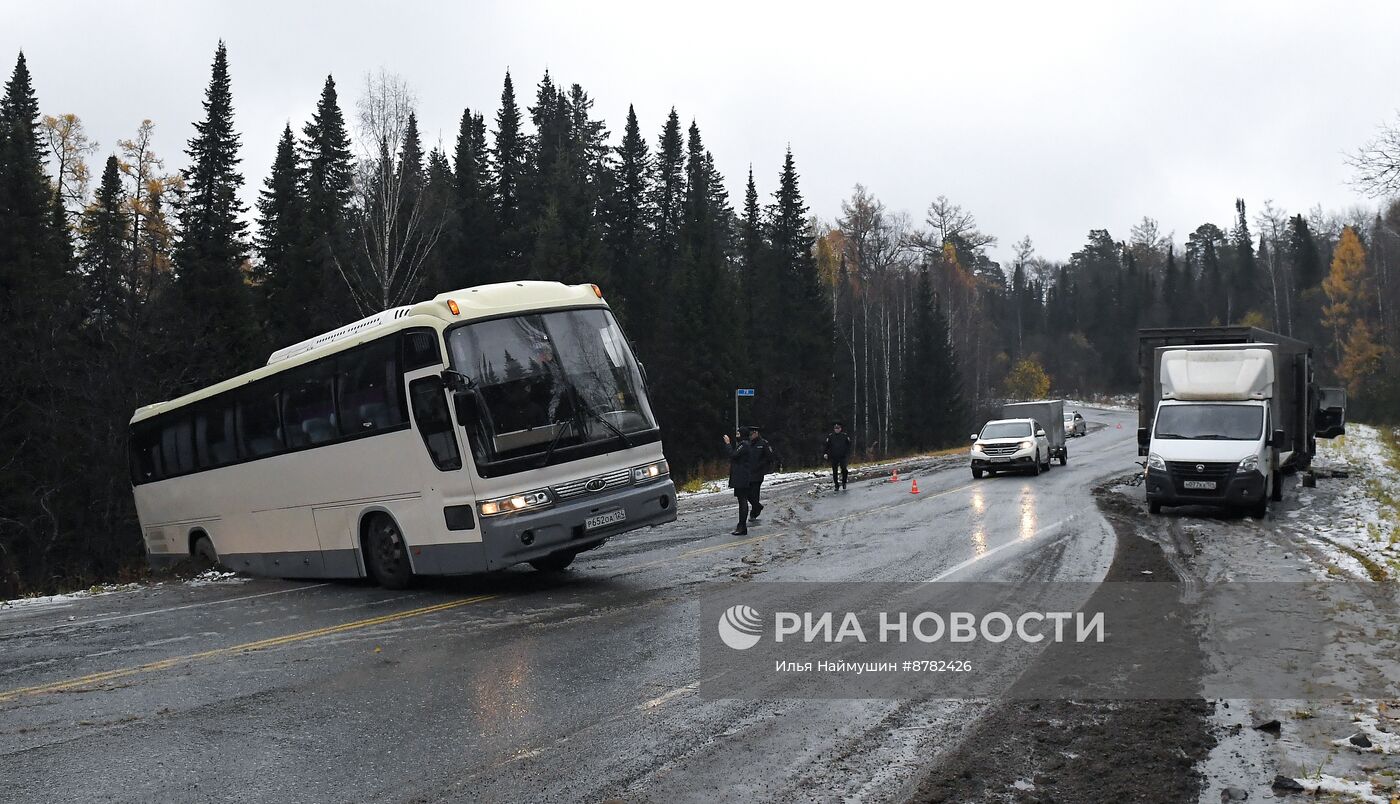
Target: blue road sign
743	392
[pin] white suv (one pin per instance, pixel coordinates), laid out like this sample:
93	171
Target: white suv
1010	445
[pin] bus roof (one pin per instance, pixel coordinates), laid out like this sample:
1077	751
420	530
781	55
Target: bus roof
483	301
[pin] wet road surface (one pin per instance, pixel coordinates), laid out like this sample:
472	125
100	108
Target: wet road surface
521	686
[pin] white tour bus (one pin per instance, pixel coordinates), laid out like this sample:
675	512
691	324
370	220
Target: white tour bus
488	427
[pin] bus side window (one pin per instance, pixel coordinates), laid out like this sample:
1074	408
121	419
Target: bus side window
146	464
420	349
213	434
435	423
308	407
367	388
177	446
259	433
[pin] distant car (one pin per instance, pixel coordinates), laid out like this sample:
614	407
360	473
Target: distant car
1075	426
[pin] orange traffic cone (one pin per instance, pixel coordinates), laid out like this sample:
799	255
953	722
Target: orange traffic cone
894	478
914	489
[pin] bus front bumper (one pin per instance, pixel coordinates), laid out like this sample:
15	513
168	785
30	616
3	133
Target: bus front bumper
518	538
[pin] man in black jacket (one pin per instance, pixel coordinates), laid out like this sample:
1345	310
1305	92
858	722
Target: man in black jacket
745	475
838	450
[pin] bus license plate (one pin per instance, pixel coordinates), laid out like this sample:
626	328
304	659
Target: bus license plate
1200	484
603	520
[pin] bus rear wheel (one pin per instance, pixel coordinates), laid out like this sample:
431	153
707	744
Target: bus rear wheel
554	562
386	554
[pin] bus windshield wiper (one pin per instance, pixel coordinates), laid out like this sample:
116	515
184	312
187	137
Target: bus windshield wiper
559	427
587	408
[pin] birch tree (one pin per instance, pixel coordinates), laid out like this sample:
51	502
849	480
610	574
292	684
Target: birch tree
399	225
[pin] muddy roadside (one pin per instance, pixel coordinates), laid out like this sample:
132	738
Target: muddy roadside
1028	751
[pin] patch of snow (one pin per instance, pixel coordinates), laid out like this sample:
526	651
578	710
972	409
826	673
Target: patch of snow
1359	519
1023	784
777	479
51	600
1382	742
1124	402
1359	791
214	576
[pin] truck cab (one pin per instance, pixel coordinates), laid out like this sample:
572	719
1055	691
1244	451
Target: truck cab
1213	453
1010	445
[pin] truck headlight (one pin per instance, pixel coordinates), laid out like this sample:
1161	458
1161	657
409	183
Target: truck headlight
1154	461
1249	464
516	502
651	471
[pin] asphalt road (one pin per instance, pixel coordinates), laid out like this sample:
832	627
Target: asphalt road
520	686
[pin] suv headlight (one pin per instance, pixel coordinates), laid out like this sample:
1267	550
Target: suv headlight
1026	444
1154	461
977	447
515	503
1249	464
651	471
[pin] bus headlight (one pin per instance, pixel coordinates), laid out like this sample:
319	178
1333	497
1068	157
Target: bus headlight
516	503
651	471
1154	461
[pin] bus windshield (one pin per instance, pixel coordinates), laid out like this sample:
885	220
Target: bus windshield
550	381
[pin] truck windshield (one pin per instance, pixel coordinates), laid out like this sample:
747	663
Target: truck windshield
1006	430
550	381
1221	422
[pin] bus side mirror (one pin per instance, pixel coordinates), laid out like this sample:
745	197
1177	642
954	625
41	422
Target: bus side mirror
467	403
1144	440
455	381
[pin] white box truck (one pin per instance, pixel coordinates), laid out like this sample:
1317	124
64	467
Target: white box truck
1218	435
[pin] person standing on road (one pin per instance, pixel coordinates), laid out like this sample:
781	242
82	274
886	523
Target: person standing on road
766	461
743	472
838	450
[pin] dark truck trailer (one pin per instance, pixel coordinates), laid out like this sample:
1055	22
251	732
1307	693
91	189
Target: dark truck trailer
1297	399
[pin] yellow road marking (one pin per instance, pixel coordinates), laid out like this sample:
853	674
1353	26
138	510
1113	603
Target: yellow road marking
262	644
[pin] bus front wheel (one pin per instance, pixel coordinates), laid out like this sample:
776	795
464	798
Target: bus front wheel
204	552
554	562
386	554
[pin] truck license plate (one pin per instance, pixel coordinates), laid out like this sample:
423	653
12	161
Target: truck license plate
1200	484
601	520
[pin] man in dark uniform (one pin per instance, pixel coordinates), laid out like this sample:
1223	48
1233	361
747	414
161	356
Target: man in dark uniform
766	460
745	473
838	451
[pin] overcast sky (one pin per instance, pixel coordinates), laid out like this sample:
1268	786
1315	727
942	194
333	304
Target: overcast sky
1044	119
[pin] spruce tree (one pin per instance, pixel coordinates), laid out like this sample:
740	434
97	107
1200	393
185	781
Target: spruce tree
438	203
104	251
287	279
626	226
38	422
508	172
216	322
1245	286
472	239
327	187
668	196
798	320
